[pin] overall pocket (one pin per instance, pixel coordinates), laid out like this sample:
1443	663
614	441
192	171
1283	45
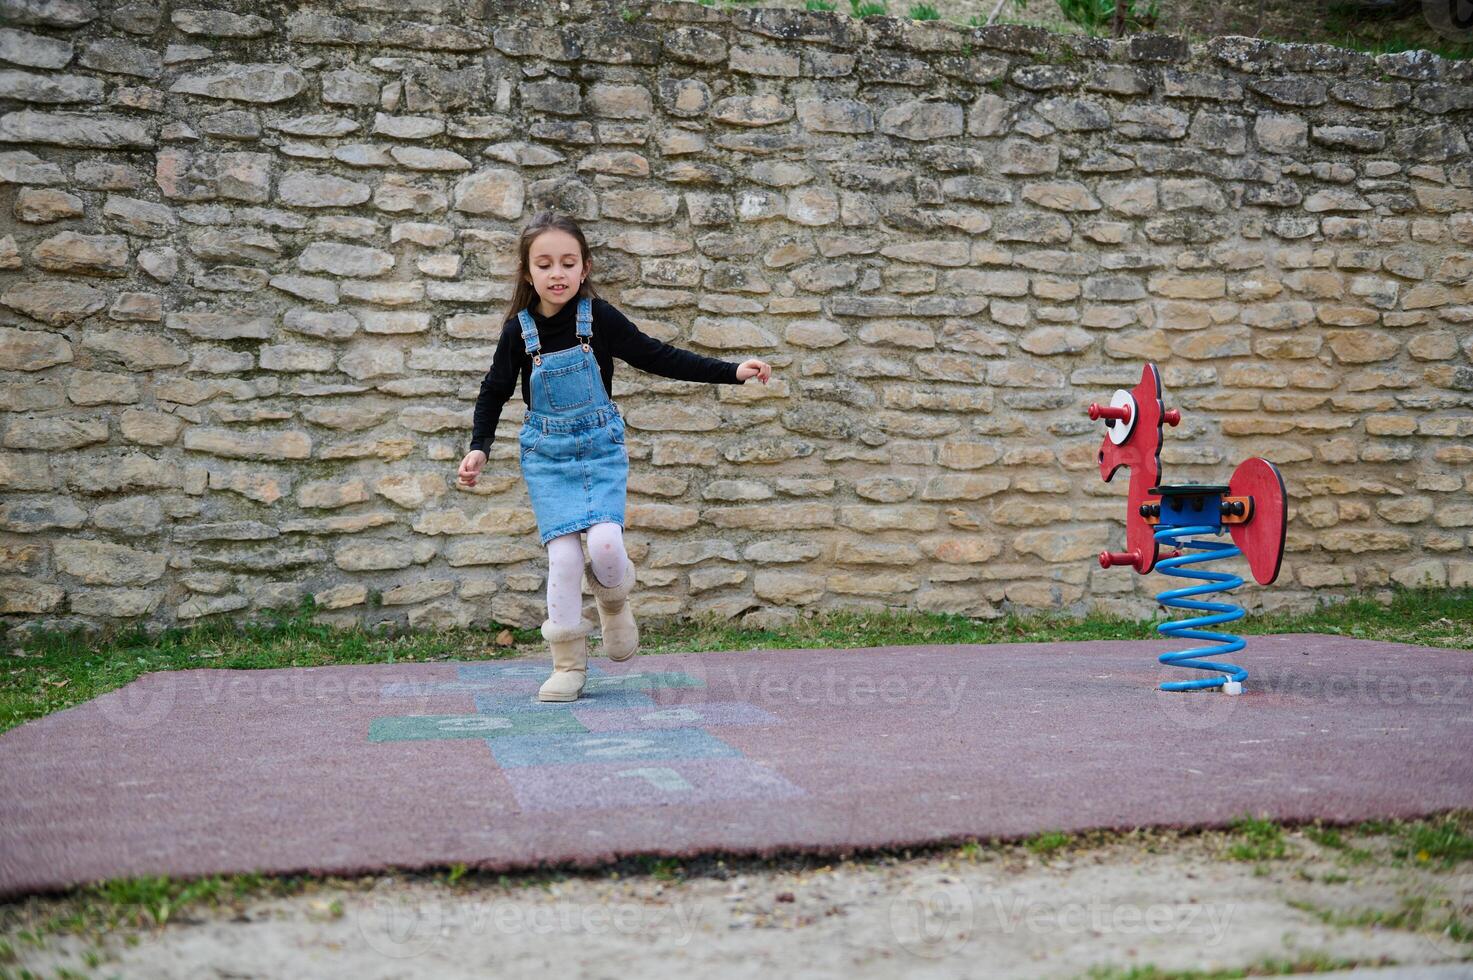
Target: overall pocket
569	387
529	439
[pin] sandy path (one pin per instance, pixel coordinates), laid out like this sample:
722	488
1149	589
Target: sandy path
1000	912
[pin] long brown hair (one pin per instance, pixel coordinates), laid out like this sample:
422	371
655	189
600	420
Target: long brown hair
523	295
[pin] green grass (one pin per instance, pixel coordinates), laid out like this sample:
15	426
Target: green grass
150	901
1416	913
663	869
1306	963
1289	21
1348	27
1047	843
127	906
1286	21
1451	50
1443	842
1096	15
1326	837
1354	39
1435	618
55	671
1257	840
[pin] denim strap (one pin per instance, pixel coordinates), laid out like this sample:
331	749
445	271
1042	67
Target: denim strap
585	319
530	340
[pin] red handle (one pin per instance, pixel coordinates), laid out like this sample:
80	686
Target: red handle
1171	416
1097	412
1108	558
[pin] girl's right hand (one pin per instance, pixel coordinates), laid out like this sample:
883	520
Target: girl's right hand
470	467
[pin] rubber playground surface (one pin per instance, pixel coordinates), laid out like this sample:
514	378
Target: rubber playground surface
351	769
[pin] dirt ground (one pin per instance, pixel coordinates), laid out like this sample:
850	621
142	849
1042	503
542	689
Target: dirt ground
1158	899
1327	21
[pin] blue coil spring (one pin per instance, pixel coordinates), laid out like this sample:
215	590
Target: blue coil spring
1222	612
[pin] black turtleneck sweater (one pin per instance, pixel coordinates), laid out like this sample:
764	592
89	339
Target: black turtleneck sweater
613	336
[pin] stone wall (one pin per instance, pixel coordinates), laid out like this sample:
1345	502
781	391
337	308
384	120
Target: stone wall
252	266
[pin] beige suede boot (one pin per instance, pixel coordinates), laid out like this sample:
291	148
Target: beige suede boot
615	618
569	660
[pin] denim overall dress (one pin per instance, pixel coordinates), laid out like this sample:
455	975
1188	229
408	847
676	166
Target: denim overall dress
573	455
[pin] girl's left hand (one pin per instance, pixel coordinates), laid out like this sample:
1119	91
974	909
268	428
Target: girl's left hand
754	368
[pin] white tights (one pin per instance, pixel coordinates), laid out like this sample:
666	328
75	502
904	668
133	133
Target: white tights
565	569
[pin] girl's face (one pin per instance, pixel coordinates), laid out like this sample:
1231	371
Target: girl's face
555	268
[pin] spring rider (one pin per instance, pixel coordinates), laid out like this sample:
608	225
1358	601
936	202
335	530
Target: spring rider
1251	507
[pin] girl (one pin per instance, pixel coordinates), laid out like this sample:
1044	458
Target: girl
560	339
